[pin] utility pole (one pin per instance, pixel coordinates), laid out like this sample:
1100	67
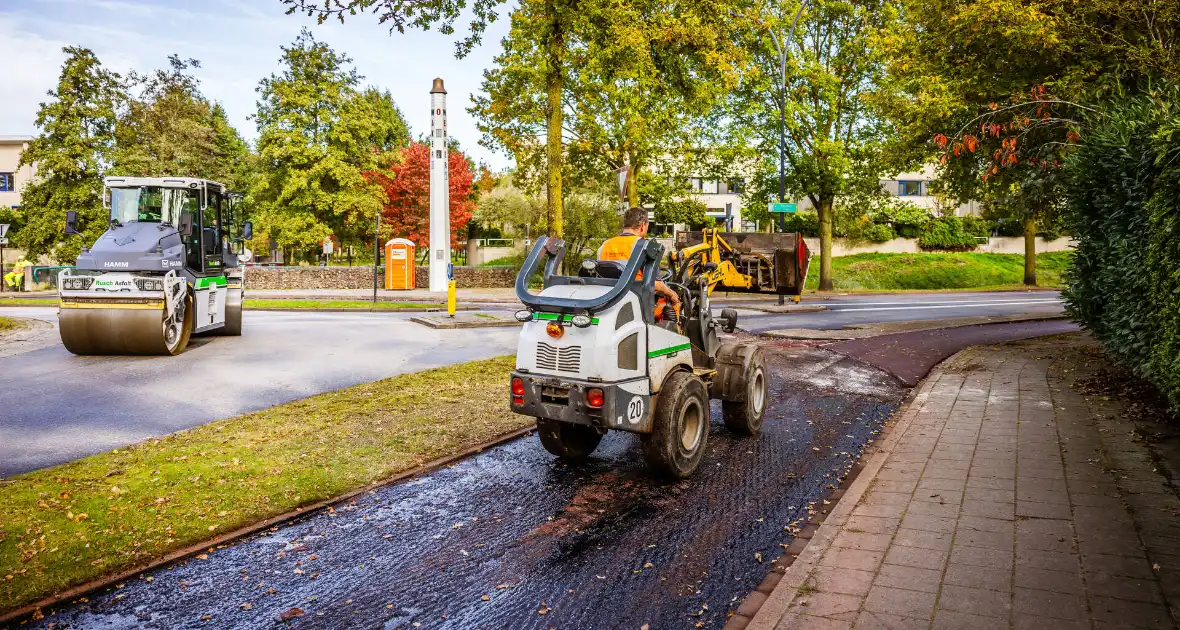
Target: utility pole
376	254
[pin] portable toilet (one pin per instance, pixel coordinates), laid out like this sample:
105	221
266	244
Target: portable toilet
399	264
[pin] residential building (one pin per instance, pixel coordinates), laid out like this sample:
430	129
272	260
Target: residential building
13	178
914	187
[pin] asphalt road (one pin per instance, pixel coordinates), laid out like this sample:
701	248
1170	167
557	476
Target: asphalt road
57	407
844	310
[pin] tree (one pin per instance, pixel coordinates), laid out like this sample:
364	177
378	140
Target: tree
833	135
171	129
407	188
318	137
73	148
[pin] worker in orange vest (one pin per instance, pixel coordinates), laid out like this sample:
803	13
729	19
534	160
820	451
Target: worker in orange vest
619	248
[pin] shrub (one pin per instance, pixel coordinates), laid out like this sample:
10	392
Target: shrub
976	226
1123	200
805	222
946	234
906	219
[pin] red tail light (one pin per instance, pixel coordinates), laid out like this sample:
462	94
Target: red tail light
517	386
594	397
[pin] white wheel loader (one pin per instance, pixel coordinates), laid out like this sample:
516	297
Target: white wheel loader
165	269
593	357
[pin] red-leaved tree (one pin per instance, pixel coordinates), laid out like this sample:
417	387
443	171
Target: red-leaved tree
407	188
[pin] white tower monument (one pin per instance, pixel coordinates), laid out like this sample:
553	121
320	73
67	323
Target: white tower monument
440	203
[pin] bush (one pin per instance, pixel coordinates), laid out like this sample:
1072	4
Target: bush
805	222
906	219
946	234
976	226
1123	200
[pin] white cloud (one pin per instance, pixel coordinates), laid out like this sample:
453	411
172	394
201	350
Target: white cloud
237	42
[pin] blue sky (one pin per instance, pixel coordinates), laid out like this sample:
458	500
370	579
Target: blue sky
237	42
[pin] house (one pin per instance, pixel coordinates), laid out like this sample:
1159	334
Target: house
13	178
914	187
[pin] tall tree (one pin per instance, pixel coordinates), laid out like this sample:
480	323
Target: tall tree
407	187
73	148
833	72
317	139
170	128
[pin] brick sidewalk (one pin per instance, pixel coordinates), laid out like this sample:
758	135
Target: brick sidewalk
1002	498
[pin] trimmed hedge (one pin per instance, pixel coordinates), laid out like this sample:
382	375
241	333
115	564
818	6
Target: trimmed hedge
1124	200
946	234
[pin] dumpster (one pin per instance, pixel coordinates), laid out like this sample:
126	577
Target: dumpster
399	264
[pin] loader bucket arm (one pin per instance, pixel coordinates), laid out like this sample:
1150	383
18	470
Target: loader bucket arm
550	251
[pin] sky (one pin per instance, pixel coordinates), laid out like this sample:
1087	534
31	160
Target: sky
237	43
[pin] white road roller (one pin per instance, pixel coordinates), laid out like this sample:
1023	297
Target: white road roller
165	269
592	356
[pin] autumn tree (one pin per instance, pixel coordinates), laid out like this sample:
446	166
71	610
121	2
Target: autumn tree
317	138
170	129
407	188
832	131
73	148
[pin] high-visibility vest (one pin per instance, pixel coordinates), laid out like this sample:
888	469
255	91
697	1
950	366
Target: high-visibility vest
619	248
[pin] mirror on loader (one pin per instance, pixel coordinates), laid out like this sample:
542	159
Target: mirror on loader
186	224
247	230
72	222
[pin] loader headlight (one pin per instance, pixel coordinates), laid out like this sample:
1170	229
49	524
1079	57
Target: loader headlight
149	284
523	316
581	321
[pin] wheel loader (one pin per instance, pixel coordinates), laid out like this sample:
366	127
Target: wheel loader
593	357
166	268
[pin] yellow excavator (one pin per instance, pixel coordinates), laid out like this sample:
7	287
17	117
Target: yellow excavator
753	262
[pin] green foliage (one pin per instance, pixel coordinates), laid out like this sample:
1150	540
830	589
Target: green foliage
946	234
319	138
976	226
906	219
806	222
171	129
1123	201
933	272
77	136
686	211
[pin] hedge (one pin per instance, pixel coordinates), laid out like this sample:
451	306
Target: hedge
1123	202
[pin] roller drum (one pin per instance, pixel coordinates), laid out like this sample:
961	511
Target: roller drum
233	315
122	331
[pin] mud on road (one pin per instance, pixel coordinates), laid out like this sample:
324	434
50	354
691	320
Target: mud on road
511	538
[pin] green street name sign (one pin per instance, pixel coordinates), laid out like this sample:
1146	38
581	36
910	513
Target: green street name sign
783	207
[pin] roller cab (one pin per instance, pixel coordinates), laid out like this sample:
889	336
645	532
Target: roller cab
167	267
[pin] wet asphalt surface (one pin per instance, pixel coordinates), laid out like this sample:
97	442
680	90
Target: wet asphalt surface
511	538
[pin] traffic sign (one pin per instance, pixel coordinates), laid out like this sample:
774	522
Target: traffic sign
3	230
783	207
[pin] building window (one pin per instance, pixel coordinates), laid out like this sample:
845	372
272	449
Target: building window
734	186
7	183
909	189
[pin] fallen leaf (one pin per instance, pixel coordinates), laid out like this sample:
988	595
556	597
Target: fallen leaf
203	556
290	614
245	605
485	598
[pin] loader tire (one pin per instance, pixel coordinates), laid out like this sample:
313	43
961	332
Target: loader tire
744	416
680	426
572	443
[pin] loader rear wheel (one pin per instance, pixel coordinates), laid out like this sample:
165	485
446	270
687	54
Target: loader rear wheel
680	427
573	443
745	416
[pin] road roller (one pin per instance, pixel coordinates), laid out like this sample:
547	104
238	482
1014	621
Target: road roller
166	268
599	352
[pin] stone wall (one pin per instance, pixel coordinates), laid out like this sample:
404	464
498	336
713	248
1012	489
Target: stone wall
362	277
995	245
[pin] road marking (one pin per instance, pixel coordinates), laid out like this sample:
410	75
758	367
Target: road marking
920	308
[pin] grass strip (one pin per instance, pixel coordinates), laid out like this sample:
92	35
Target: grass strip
933	272
347	304
69	524
8	323
28	301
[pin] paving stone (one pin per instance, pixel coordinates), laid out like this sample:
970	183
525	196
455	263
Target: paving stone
1122	587
977	556
916	557
1001	541
750	605
901	602
912	578
1138	614
990	578
846	581
928	523
793	621
1048	604
1129	566
874	620
862	540
976	601
832	605
1048	580
1042	510
852	559
937	541
872	524
1036	622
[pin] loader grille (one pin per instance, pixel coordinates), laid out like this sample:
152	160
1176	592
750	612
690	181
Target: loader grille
559	359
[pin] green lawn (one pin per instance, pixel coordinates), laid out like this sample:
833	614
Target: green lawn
72	523
28	301
930	272
8	323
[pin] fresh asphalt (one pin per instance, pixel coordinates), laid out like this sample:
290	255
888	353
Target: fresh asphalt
57	407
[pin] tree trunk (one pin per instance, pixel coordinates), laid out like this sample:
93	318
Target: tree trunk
554	82
825	243
633	186
1030	252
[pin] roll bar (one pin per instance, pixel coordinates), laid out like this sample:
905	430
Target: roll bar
645	257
